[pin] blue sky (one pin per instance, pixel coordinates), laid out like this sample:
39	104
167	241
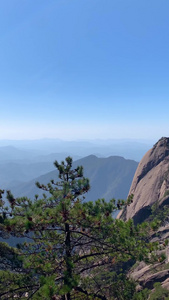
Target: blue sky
84	69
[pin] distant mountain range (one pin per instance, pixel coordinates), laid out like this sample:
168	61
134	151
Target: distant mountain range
22	162
129	149
109	177
19	166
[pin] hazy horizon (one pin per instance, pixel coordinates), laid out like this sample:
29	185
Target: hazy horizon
82	139
127	148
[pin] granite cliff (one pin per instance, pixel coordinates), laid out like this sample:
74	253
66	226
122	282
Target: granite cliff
150	183
150	188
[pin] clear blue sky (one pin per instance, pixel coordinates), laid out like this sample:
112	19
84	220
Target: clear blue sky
84	69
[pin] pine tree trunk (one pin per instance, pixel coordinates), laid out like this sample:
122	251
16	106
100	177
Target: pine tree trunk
68	259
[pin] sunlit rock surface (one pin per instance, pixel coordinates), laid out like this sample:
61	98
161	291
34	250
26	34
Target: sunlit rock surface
150	183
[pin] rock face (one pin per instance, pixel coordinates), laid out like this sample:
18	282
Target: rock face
150	184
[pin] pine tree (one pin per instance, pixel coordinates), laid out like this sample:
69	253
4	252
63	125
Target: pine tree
73	250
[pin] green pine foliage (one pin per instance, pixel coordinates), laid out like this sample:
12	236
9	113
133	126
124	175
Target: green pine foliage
74	249
159	292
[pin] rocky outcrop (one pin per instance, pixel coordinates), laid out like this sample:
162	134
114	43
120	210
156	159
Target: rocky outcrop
147	275
150	184
150	187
